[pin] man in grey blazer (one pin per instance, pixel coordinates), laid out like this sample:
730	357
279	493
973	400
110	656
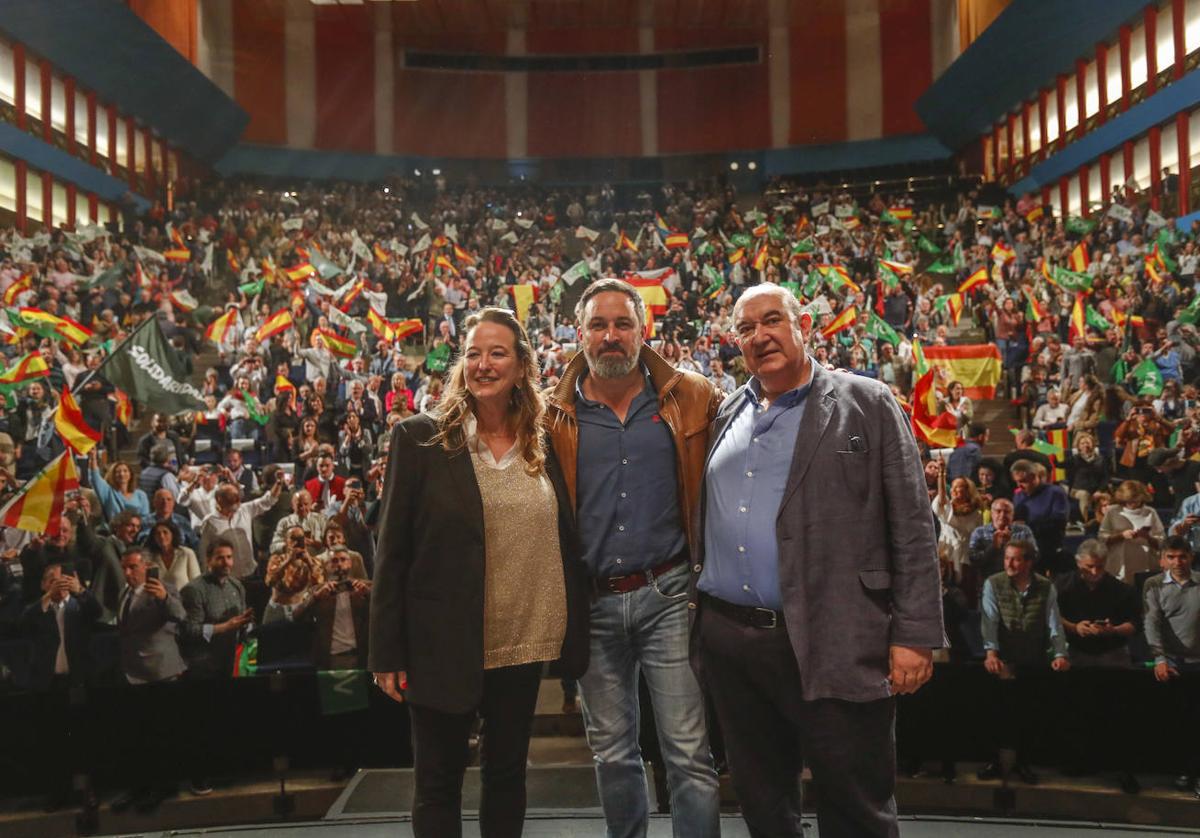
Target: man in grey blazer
817	597
148	616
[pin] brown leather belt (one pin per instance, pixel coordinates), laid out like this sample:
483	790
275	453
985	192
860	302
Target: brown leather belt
625	584
747	615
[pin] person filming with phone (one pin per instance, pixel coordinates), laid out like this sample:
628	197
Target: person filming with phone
340	609
148	616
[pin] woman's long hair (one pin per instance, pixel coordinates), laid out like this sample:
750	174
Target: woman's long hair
527	407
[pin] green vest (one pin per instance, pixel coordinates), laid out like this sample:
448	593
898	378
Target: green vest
1024	636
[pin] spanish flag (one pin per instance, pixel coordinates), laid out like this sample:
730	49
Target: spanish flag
1078	328
381	255
301	272
338	345
177	254
219	328
977	366
653	293
1078	260
379	324
71	426
623	242
232	261
176	236
934	429
1152	272
440	241
840	323
761	230
38	505
403	328
760	258
1002	252
124	409
955	304
440	261
50	326
1035	214
462	256
1033	308
737	256
273	325
901	213
22	284
26	369
676	241
284	388
980	277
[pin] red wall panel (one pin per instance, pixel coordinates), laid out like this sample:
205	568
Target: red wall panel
450	114
258	69
817	55
451	26
716	109
345	49
906	42
584	115
558	28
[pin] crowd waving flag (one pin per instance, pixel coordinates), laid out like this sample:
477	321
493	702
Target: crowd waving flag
976	366
79	436
38	505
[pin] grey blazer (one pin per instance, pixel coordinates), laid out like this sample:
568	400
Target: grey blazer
149	643
857	555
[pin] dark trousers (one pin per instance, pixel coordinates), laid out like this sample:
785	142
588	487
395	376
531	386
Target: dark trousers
770	733
440	752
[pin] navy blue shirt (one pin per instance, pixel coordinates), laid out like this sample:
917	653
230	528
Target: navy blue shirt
744	484
626	487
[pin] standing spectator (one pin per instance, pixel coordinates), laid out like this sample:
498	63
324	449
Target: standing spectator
59	629
966	458
160	432
231	522
327	487
1044	508
177	564
1021	630
216	612
148	619
960	513
116	489
1133	532
311	524
1077	362
159	474
1172	607
292	574
340	610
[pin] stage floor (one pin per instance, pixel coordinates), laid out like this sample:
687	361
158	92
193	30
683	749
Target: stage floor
590	825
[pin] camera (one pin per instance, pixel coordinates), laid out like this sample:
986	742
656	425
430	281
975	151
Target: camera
152	573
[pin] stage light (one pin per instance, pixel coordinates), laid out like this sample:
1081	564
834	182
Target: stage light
437	172
417	172
733	167
752	165
386	190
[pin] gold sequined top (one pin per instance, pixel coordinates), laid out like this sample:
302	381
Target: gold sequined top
524	593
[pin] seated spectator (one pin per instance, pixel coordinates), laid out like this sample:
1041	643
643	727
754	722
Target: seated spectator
1099	613
177	564
116	489
1136	437
1087	405
311	523
1022	633
1132	531
147	619
340	609
215	605
957	404
988	541
1052	414
59	629
1172	609
1087	472
292	573
1044	508
159	474
1179	474
1101	501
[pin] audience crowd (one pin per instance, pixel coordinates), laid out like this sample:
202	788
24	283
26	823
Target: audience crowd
251	522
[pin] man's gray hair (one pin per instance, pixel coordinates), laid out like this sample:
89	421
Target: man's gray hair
790	304
161	453
1093	548
611	284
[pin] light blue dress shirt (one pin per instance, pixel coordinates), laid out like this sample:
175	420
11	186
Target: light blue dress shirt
744	483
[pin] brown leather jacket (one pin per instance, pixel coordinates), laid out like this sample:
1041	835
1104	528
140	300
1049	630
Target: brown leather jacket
687	402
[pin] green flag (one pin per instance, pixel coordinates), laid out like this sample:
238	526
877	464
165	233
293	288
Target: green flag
438	358
106	279
342	691
325	266
579	270
940	267
878	328
794	287
1072	281
254	408
716	281
1096	320
253	289
807	245
813	283
741	240
151	372
1148	379
960	259
888	276
886	217
1079	226
775	232
1120	371
1192	313
927	246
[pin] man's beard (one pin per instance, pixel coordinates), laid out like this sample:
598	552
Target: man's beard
611	366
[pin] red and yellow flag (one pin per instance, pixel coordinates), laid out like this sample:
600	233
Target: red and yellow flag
1079	260
177	254
901	213
440	261
840	323
381	255
653	293
898	268
301	272
760	258
284	388
934	429
1078	328
462	256
219	328
26	369
1035	214
124	409
977	366
623	242
41	322
1002	252
737	256
980	277
79	436
677	241
38	506
338	345
22	284
379	324
403	328
232	261
273	325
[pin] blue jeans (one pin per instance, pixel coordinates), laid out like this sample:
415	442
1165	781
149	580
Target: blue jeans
647	630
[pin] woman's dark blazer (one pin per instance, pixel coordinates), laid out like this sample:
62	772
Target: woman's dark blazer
427	595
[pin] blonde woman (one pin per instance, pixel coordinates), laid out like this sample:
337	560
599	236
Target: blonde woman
479	579
1133	532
